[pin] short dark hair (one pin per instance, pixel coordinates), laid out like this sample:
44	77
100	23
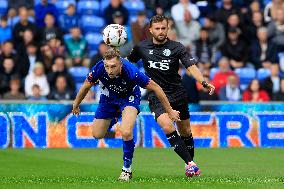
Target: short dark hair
158	18
111	53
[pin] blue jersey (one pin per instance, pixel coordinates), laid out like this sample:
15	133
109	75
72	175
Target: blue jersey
124	85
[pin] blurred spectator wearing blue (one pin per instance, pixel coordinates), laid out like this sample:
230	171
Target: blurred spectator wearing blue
235	49
187	29
99	55
50	30
70	19
76	47
42	9
36	93
279	96
61	90
140	28
203	50
271	84
5	30
226	10
262	52
59	69
179	10
232	91
215	30
21	26
114	6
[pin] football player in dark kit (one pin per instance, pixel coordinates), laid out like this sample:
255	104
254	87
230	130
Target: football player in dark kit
161	58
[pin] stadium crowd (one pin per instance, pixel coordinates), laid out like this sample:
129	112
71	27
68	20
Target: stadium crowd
48	47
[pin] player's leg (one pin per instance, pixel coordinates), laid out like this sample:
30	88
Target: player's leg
129	115
100	127
186	135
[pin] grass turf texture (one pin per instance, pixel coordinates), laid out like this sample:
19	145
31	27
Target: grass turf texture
152	168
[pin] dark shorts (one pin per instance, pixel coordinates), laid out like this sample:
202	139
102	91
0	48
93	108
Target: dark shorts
180	104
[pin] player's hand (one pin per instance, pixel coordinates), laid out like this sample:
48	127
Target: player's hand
76	111
209	87
174	115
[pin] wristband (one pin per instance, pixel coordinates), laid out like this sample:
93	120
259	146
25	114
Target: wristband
204	84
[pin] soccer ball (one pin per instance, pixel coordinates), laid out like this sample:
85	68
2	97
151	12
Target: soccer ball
114	35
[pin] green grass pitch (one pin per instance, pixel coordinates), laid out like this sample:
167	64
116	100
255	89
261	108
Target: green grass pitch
152	168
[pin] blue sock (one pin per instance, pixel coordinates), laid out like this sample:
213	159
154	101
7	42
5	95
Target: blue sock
128	150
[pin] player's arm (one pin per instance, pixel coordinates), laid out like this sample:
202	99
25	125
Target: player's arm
80	96
195	72
173	114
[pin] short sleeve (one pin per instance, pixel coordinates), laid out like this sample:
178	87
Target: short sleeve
94	75
141	79
134	55
185	57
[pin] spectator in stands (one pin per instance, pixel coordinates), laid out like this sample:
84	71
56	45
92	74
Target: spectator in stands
270	10
7	51
115	5
172	32
5	30
59	68
160	7
21	26
140	28
262	52
271	84
28	37
232	91
256	23
185	27
90	97
215	30
7	72
235	49
14	93
70	19
42	9
99	55
47	56
11	15
203	50
61	90
279	96
254	93
180	11
36	93
226	10
220	78
76	47
276	29
56	46
204	95
37	77
50	31
28	59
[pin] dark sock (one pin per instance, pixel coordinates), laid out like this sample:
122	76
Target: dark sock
179	146
189	142
128	150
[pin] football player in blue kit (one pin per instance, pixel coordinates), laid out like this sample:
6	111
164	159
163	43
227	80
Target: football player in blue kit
120	94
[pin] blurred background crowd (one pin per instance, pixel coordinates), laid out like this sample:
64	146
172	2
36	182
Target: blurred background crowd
49	46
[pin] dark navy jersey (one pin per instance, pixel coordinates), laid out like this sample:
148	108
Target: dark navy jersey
124	85
161	62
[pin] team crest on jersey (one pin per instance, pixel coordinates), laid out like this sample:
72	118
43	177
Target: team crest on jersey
167	52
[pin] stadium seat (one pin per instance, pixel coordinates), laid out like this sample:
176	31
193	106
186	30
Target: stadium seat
245	75
262	73
63	4
134	6
94	39
3	7
88	7
92	23
79	73
103	5
213	71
